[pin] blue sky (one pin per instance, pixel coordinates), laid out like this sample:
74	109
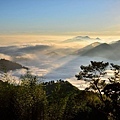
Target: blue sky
60	17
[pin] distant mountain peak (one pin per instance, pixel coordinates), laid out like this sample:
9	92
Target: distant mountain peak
82	37
86	37
95	44
104	44
101	50
87	48
98	38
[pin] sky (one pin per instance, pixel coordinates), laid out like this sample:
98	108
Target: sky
60	17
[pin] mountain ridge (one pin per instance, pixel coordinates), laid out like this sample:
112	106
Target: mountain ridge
108	51
81	38
88	47
6	65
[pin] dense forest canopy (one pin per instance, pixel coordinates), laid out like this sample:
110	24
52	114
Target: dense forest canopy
60	100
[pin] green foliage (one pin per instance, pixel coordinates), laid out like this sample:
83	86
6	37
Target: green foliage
7	101
33	100
58	94
29	80
84	106
23	102
94	73
47	101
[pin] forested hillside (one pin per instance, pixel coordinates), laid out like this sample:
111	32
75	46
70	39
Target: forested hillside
60	100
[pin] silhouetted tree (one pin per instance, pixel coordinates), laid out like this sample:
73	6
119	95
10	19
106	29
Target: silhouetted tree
94	74
112	90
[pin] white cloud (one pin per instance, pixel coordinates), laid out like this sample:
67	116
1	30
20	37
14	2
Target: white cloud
26	56
52	68
3	56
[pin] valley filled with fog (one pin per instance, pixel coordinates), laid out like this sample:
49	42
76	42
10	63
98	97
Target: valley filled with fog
60	60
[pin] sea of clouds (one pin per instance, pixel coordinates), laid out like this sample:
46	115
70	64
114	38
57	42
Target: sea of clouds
48	62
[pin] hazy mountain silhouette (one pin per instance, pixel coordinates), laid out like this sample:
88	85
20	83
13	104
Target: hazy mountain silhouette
97	49
60	52
9	50
102	50
52	54
116	48
116	44
86	48
80	38
98	38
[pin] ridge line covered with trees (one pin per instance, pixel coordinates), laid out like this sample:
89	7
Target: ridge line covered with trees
34	100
